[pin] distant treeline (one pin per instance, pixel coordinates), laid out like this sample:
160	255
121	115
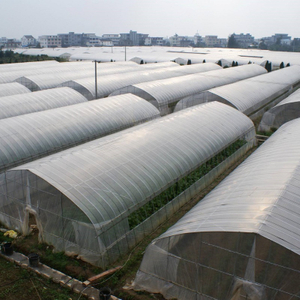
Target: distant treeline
8	56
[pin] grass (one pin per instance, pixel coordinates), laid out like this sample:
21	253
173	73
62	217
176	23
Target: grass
18	283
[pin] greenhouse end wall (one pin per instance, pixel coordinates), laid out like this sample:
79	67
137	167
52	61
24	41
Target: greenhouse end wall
60	222
219	265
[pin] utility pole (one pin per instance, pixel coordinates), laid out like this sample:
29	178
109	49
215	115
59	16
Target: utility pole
125	51
96	96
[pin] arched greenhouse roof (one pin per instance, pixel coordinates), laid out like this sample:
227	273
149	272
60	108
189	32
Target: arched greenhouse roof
11	74
27	65
251	95
109	177
13	88
16	105
110	83
261	196
285	111
56	77
28	137
164	94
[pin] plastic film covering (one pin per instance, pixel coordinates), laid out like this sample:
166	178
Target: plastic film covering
11	74
16	105
28	137
165	94
285	111
242	239
55	77
105	180
108	84
27	65
262	92
14	88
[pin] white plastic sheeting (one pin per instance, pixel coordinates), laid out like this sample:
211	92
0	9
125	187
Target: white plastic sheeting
252	95
16	105
285	111
14	88
158	53
56	77
27	65
82	197
108	84
28	137
164	94
242	239
11	73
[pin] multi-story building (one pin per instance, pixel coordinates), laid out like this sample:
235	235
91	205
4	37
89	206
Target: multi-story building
211	41
244	40
114	38
28	41
12	43
198	39
49	41
3	41
223	42
70	39
175	40
281	38
154	41
133	38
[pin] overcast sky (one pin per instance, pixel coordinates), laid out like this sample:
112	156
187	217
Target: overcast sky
155	17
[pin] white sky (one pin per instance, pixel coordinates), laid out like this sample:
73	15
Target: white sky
155	17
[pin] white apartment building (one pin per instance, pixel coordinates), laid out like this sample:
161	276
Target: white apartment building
49	41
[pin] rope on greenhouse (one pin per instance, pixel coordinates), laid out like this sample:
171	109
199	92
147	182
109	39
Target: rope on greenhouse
213	269
248	256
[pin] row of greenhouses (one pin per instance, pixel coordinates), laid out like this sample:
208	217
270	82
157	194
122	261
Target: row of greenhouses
57	76
108	84
165	94
34	135
183	55
13	88
99	199
21	104
242	241
251	96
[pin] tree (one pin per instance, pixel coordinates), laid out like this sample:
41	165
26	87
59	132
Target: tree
262	45
232	43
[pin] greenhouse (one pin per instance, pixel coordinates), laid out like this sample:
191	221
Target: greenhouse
285	111
99	199
164	94
27	65
9	74
28	137
255	95
22	104
108	84
242	241
56	77
14	88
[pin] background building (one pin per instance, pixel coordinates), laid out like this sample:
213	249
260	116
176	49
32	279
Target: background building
50	41
28	41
